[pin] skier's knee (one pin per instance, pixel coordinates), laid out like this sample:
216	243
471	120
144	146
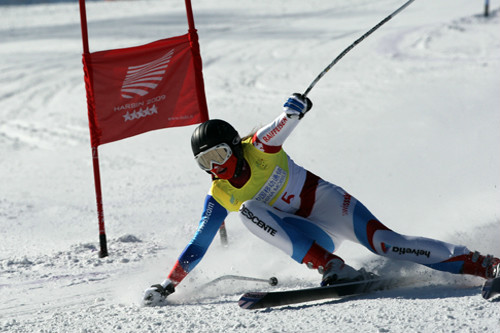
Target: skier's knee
262	221
255	216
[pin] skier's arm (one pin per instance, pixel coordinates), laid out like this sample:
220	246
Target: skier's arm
211	219
271	137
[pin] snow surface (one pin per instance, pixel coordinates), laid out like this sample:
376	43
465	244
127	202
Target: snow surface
408	122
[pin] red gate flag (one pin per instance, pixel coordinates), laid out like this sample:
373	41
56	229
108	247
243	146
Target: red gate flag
138	89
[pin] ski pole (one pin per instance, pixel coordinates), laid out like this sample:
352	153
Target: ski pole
356	42
223	234
272	281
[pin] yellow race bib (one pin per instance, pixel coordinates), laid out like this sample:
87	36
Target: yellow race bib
268	178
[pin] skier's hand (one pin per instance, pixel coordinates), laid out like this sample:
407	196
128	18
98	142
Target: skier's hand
157	294
297	105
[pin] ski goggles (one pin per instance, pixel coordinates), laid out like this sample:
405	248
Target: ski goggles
216	155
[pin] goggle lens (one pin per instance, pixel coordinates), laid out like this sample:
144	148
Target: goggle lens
215	155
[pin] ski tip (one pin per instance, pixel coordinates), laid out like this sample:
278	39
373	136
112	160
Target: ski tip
248	300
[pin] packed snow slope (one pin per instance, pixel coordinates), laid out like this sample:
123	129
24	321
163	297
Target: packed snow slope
408	122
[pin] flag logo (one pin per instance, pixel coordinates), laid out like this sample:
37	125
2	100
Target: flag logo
142	79
144	88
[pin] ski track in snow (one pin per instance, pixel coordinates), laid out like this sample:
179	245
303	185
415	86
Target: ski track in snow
413	110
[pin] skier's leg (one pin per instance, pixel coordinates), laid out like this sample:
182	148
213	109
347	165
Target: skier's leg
300	238
292	234
432	253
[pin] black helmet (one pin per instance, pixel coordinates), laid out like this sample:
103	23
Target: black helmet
213	132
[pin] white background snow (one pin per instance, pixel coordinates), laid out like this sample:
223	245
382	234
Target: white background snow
408	122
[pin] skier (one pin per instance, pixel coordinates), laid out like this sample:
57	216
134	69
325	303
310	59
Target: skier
295	210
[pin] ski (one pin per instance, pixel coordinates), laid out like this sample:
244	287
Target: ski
259	300
491	288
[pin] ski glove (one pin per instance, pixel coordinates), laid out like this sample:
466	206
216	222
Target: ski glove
157	293
297	105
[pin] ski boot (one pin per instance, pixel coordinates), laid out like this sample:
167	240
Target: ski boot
478	265
336	272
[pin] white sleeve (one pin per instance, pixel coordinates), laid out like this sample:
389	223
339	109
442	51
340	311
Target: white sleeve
271	137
